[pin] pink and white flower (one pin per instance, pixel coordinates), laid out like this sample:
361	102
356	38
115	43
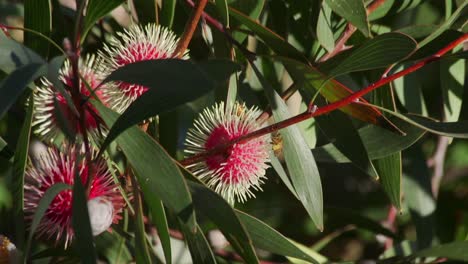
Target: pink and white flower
49	103
105	202
137	43
241	167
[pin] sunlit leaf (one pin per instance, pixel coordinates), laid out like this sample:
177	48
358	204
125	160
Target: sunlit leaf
266	238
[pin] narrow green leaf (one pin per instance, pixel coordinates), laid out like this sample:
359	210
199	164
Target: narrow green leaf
389	168
353	11
453	251
267	238
44	203
12	86
279	45
418	31
250	8
146	11
340	130
167	87
379	52
452	79
372	138
324	28
37	17
19	166
223	11
199	247
158	176
299	160
221	213
96	10
446	25
14	55
160	221
278	167
166	16
418	195
382	10
83	241
332	90
348	216
112	246
449	129
141	247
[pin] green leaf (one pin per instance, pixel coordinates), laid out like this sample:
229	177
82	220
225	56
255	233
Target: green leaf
14	55
12	86
199	247
141	247
159	219
353	11
158	176
19	166
166	16
453	251
44	203
250	8
340	130
146	11
112	246
348	216
389	168
167	87
324	28
96	10
278	167
379	52
279	45
372	137
445	26
37	17
382	10
221	213
449	129
418	195
267	238
418	31
223	11
452	79
83	240
299	160
332	90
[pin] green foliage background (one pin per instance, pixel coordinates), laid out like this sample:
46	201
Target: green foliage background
348	172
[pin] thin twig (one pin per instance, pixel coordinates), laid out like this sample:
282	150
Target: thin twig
190	28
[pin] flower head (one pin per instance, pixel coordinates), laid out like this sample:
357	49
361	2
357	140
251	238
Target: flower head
135	44
105	202
241	167
51	107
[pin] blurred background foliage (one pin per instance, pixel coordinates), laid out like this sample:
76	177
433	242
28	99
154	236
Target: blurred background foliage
434	206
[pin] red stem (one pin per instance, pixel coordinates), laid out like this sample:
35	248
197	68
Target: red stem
190	28
353	98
